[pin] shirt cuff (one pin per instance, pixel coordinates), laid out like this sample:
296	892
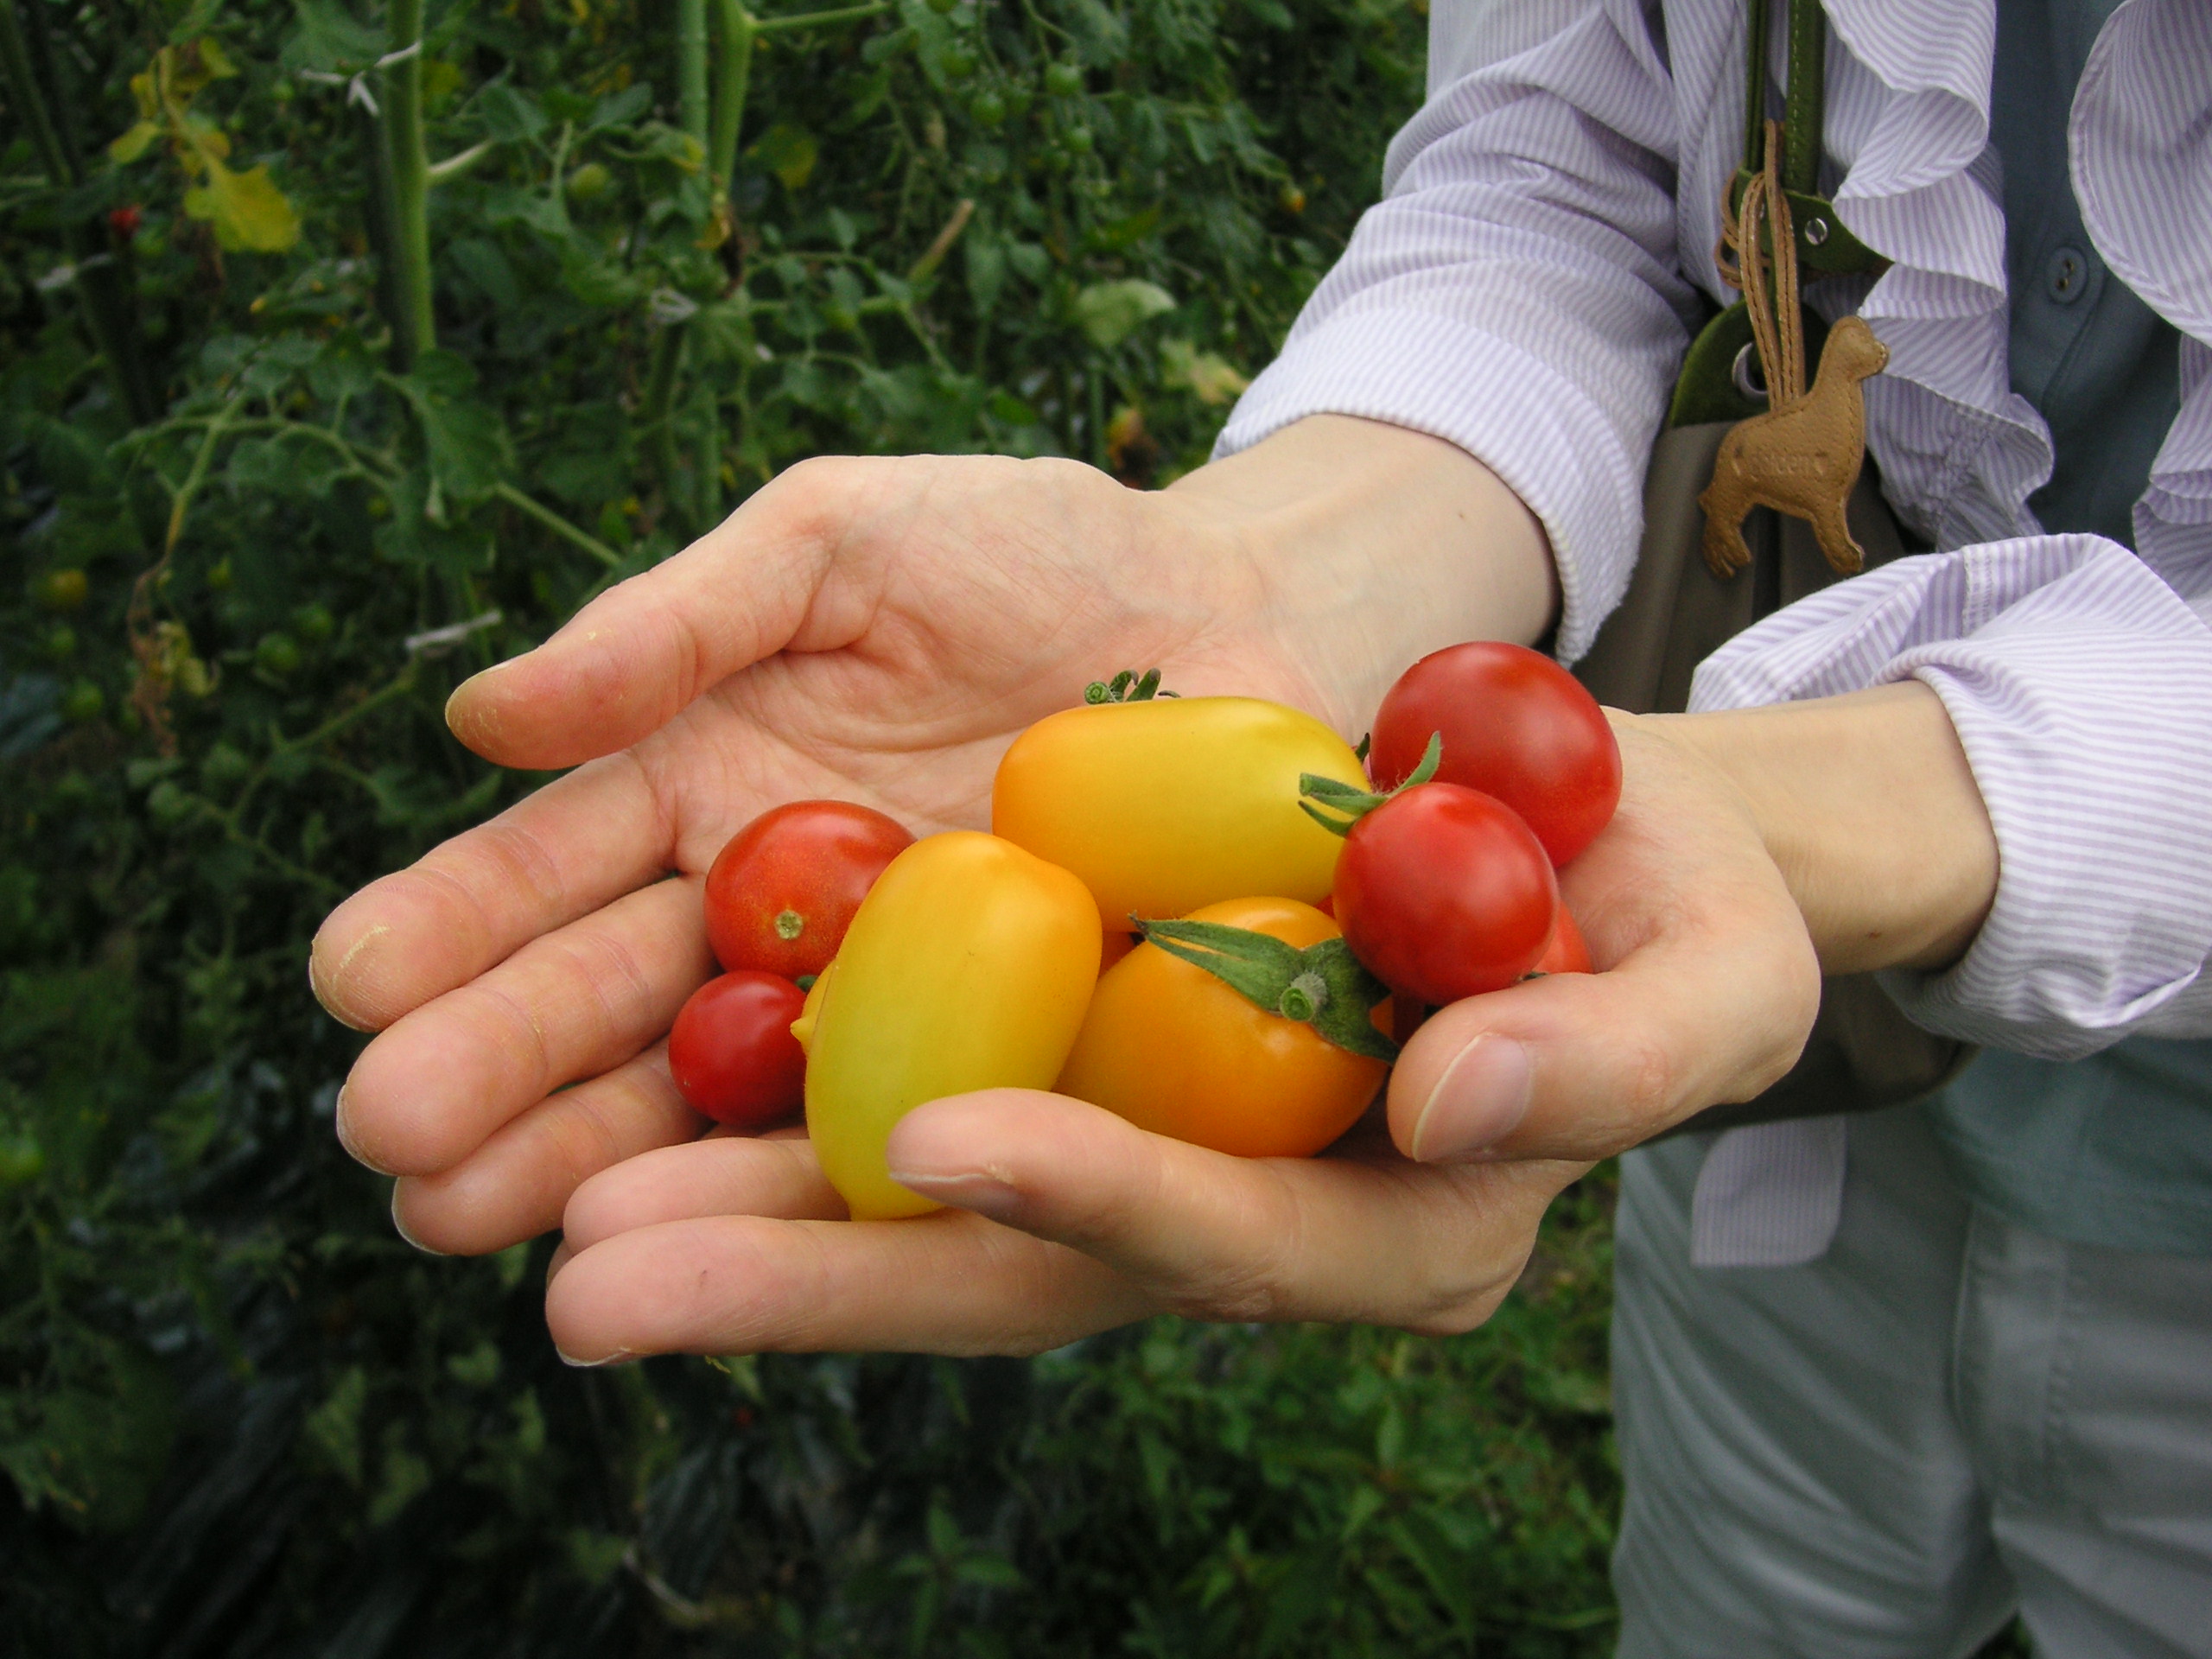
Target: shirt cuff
2078	682
1537	430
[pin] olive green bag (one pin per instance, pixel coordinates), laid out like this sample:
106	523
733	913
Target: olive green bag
1862	1053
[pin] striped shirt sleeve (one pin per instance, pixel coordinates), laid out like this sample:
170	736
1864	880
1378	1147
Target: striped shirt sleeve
1516	290
2079	681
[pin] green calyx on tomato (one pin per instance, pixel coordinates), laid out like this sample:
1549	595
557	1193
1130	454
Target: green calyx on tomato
1127	686
1323	986
1355	803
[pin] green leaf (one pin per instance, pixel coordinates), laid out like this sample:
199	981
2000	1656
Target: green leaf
464	439
1110	312
330	39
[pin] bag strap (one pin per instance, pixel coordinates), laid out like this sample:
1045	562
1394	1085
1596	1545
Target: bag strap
1712	385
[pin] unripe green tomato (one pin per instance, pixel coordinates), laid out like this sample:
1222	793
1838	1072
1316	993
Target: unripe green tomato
219	575
277	654
62	642
1063	79
83	701
63	590
21	1160
959	62
169	805
314	623
224	768
590	181
987	108
1076	140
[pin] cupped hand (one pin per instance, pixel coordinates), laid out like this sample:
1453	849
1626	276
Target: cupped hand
873	630
1066	1220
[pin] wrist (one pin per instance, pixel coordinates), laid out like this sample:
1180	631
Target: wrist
1369	545
1868	807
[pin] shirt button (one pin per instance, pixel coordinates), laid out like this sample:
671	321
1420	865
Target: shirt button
2066	275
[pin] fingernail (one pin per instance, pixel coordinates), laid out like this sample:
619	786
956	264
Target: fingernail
1480	1099
400	1227
986	1194
614	1359
345	1138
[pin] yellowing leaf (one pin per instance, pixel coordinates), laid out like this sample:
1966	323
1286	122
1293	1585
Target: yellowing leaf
787	151
214	59
247	210
1110	312
143	89
132	144
1212	378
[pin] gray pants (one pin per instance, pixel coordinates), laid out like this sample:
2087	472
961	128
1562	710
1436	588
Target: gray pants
1889	1450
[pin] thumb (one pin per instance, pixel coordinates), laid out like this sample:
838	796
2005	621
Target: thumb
1584	1066
631	659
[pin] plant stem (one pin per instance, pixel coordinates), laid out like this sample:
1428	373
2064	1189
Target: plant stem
732	83
560	526
415	325
461	163
92	252
659	414
810	19
691	69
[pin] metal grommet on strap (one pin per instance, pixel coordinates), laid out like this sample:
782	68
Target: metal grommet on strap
1745	372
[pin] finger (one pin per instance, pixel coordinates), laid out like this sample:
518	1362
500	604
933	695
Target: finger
576	844
431	1089
516	1185
1708	992
626	663
731	1175
1219	1237
948	1283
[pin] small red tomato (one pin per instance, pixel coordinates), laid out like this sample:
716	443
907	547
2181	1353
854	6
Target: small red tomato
782	891
124	221
1444	892
1515	725
1566	953
732	1051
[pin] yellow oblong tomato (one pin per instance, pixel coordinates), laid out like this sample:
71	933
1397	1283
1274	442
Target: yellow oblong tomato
1174	1050
1166	806
969	965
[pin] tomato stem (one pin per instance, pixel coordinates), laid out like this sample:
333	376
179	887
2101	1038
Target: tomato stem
1354	803
1323	986
789	924
1127	686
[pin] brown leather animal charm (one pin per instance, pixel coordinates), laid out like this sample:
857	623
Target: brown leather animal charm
1801	458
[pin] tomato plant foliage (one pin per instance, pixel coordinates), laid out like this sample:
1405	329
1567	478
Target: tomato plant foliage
333	367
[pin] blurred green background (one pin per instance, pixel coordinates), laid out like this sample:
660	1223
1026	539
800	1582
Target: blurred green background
328	377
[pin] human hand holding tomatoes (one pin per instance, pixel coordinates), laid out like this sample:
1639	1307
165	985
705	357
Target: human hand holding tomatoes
1068	1220
877	630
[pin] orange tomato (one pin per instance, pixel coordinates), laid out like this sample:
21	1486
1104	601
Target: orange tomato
1175	1050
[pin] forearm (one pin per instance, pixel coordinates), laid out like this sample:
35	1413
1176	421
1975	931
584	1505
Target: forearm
1370	546
1869	809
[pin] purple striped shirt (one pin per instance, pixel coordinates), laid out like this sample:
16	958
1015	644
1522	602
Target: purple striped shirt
1524	289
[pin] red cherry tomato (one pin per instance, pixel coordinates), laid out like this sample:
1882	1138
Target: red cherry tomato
782	891
124	221
732	1051
1566	953
1515	725
1444	892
